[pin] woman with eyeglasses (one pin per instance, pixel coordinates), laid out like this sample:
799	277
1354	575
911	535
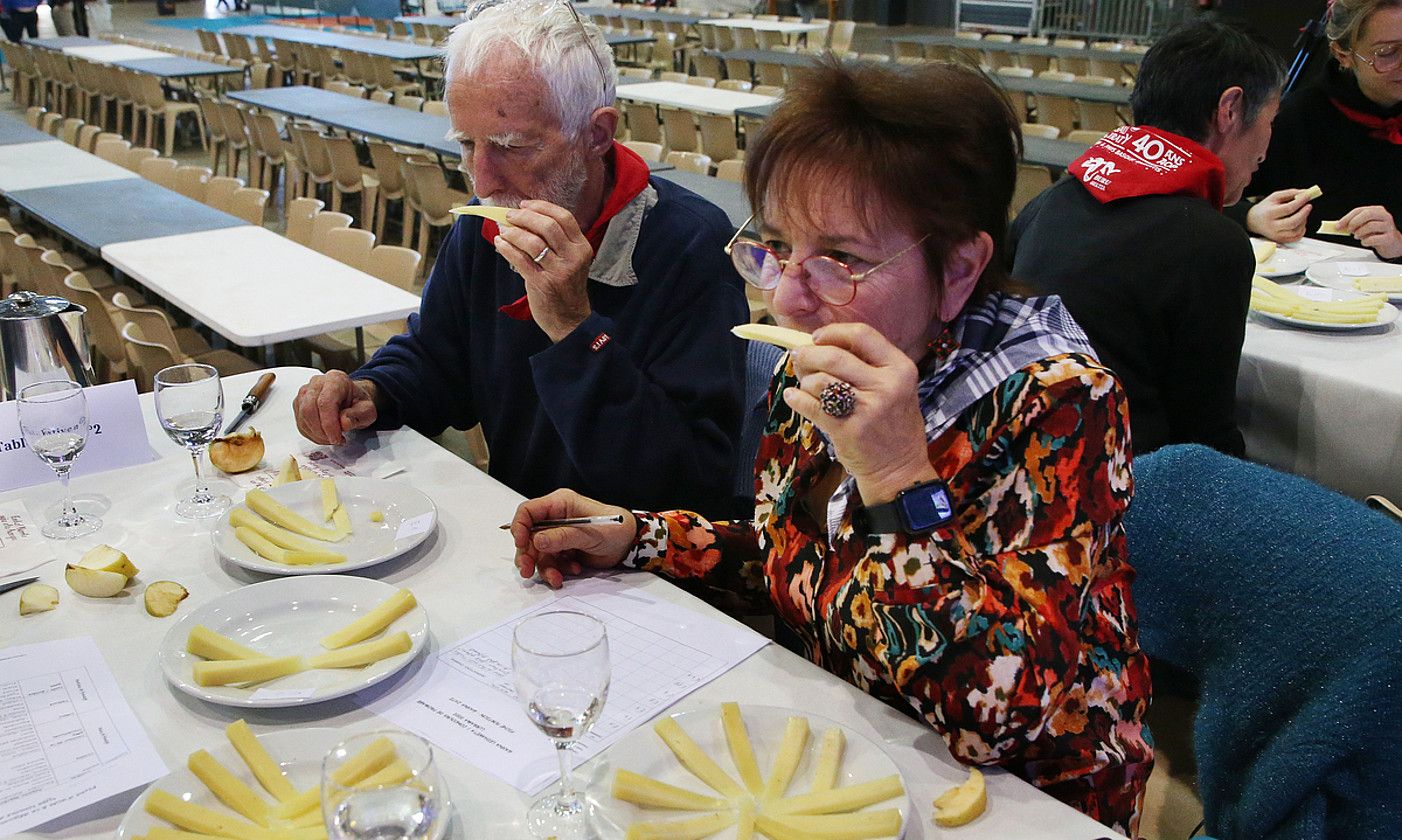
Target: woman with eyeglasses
1343	133
943	473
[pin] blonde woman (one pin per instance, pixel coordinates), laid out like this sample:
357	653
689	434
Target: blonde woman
1344	133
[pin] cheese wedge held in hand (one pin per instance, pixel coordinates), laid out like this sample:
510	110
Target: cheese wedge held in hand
1332	228
1310	194
372	622
496	214
226	671
770	334
366	653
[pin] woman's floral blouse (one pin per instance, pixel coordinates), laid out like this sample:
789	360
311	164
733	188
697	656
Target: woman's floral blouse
1013	632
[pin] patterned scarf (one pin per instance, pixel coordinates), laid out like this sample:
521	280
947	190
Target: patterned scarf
991	341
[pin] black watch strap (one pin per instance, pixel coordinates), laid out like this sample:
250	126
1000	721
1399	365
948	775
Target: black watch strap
884	518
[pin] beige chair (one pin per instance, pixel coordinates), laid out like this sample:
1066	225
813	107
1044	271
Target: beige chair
272	154
300	213
110	358
112	150
738	68
412	103
390	176
1059	111
392	264
210	41
690	162
87	136
646	151
323	222
731	170
1035	63
248	204
51	123
1031	180
154	106
153	329
672	76
384	97
718	139
700	81
1057	76
350	246
428	192
159	170
634	73
768	90
136	156
218	190
704	65
1098	116
770	73
34	115
643	124
1085	136
1049	132
68	132
733	84
190	181
218	141
436	107
349	178
315	161
1014	72
237	144
679	128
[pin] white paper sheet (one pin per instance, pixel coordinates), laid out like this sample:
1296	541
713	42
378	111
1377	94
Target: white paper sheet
22	547
69	737
315	463
660	653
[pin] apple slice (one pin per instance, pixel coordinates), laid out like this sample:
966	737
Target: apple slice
962	804
37	598
237	453
163	596
94	583
108	559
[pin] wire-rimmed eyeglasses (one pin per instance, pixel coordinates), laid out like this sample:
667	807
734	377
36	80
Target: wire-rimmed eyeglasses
578	21
1383	59
831	280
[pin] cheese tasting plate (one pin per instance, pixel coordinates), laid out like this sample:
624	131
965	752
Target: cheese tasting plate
1386	315
288	617
1341	274
644	752
388	518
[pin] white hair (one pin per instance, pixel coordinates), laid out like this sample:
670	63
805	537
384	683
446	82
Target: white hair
567	58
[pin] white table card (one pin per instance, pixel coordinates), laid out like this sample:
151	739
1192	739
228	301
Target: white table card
22	546
117	438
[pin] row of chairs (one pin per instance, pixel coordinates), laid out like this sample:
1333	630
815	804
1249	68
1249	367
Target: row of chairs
680	130
411	102
1068	114
992	57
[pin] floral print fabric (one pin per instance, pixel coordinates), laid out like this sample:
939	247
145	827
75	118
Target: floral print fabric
1012	633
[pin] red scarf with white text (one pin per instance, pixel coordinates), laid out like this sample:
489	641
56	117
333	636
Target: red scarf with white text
1140	160
630	174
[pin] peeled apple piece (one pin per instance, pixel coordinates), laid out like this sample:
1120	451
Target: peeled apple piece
108	559
237	453
94	583
37	598
962	804
289	472
163	596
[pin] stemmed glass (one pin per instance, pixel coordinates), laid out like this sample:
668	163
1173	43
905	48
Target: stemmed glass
404	801
53	419
561	663
190	406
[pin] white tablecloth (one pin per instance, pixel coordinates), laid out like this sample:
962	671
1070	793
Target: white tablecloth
464	577
257	288
52	163
693	97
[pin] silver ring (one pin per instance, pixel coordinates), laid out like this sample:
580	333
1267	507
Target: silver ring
838	399
541	255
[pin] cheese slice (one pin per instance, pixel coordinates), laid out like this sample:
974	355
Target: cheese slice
496	214
383	615
1332	228
226	671
1310	194
1390	285
770	334
1264	249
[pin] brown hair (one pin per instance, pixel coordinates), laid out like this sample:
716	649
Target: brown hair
1348	17
937	145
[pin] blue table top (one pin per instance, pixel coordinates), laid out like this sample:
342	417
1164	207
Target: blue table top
64	41
177	67
18	131
727	195
106	212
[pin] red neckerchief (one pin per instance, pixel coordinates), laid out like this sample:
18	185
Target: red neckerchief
1387	129
630	174
1139	160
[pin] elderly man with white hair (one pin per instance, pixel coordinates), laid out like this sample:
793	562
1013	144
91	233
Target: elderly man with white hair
589	334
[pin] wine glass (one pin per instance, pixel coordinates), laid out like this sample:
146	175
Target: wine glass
190	406
405	800
53	419
561	663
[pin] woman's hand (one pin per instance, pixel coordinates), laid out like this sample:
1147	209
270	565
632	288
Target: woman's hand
568	550
1375	228
1280	216
882	442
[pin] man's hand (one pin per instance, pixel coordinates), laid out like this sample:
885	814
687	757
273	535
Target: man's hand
556	283
1374	228
329	406
1280	216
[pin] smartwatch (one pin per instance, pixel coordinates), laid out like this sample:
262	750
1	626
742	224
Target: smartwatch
915	510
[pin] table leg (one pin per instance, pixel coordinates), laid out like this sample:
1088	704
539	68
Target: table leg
270	355
360	345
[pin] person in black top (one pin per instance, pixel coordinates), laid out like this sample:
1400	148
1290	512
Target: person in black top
1343	133
1134	241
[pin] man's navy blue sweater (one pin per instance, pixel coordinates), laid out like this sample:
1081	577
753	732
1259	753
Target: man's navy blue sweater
647	418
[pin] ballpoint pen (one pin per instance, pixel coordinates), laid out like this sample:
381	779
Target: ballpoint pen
615	519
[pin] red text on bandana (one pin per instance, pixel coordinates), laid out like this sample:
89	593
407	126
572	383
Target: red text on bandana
1132	161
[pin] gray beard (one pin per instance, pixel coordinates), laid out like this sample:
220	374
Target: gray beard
563	188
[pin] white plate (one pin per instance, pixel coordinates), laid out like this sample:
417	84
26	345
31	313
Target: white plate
1386	315
286	617
1283	263
298	751
369	542
643	752
1327	274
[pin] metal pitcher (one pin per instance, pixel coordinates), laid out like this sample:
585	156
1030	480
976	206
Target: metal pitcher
42	337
